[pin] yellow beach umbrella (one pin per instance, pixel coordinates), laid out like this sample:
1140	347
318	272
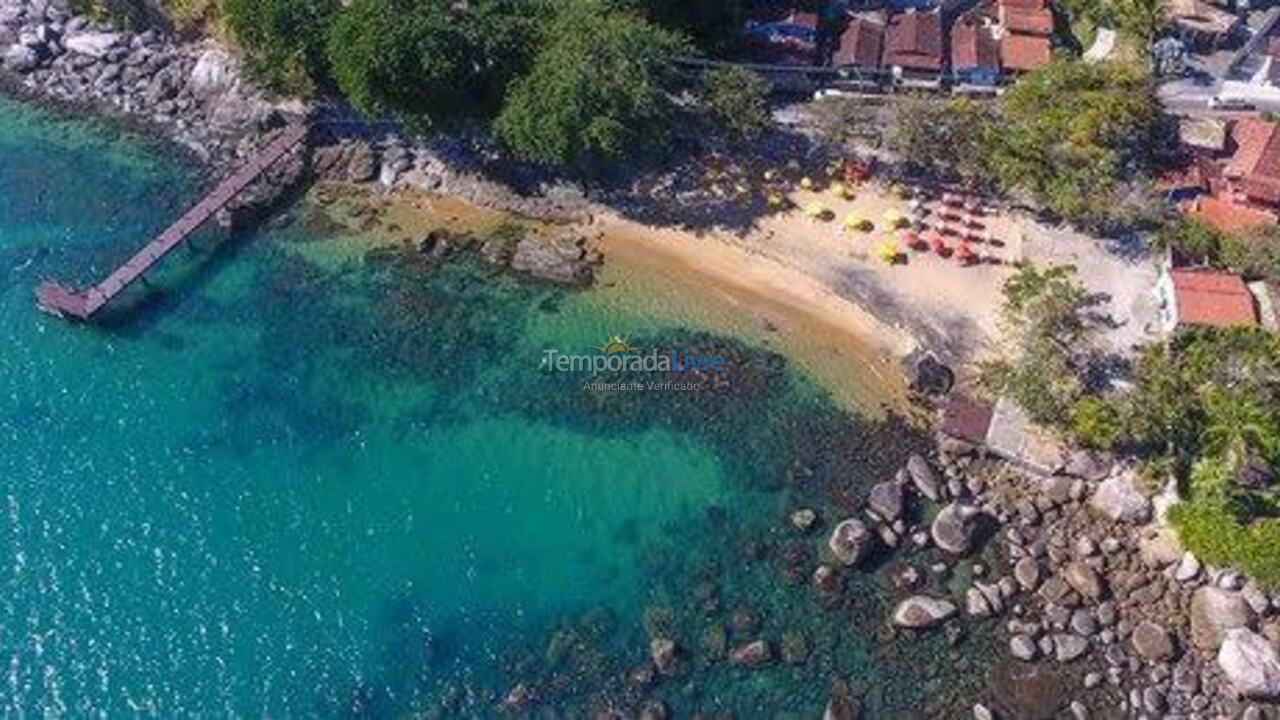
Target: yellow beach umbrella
893	218
776	200
817	211
806	182
888	250
770	175
855	221
847	191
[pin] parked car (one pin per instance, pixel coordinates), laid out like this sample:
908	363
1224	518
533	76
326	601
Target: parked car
1218	102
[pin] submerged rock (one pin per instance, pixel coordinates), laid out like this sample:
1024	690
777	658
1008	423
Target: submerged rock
665	655
885	500
922	611
850	542
753	654
561	259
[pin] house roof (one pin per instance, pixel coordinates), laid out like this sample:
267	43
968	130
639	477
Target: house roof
805	20
1228	216
973	45
1210	297
1027	21
913	40
1024	52
1256	161
1200	16
861	44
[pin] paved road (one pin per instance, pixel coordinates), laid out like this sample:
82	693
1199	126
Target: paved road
1190	97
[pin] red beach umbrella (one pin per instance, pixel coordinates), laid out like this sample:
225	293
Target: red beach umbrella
940	246
965	254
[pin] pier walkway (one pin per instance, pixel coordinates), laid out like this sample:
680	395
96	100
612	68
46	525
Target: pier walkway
62	301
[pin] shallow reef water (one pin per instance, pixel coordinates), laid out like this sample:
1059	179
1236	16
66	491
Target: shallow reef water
281	481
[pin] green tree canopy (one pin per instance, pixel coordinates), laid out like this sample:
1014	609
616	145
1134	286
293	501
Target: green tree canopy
283	39
944	138
737	101
429	61
595	91
1050	333
1074	136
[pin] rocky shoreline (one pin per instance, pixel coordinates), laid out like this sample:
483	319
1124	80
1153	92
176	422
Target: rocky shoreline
1103	614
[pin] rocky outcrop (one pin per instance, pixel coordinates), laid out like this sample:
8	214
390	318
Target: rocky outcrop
924	478
1251	664
193	92
886	500
564	259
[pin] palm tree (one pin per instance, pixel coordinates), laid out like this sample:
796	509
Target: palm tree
1237	424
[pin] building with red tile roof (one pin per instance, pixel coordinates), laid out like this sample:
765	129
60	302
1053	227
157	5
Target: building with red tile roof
1026	21
1026	29
1227	216
861	44
973	44
913	41
1024	52
1206	298
1253	172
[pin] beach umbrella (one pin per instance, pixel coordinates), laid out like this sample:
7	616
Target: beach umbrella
892	217
817	211
776	200
888	251
770	175
855	221
965	254
806	182
940	246
911	240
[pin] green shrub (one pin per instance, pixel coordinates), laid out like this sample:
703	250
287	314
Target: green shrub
283	40
737	100
1213	531
1096	423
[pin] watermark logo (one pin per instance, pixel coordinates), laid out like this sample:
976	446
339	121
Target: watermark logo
617	355
614	345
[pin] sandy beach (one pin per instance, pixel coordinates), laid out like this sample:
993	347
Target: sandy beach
810	287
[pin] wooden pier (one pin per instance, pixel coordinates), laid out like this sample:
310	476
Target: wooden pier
62	301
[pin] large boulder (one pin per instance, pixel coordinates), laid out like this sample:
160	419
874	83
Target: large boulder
924	478
850	541
1251	664
1119	498
215	73
1214	612
954	528
561	259
94	44
20	58
922	611
885	500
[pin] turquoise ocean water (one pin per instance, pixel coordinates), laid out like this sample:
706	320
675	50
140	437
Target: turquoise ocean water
277	486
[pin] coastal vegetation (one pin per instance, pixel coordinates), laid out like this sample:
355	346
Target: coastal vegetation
1200	409
1253	252
1074	138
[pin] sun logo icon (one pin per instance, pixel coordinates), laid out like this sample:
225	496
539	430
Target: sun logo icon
614	345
